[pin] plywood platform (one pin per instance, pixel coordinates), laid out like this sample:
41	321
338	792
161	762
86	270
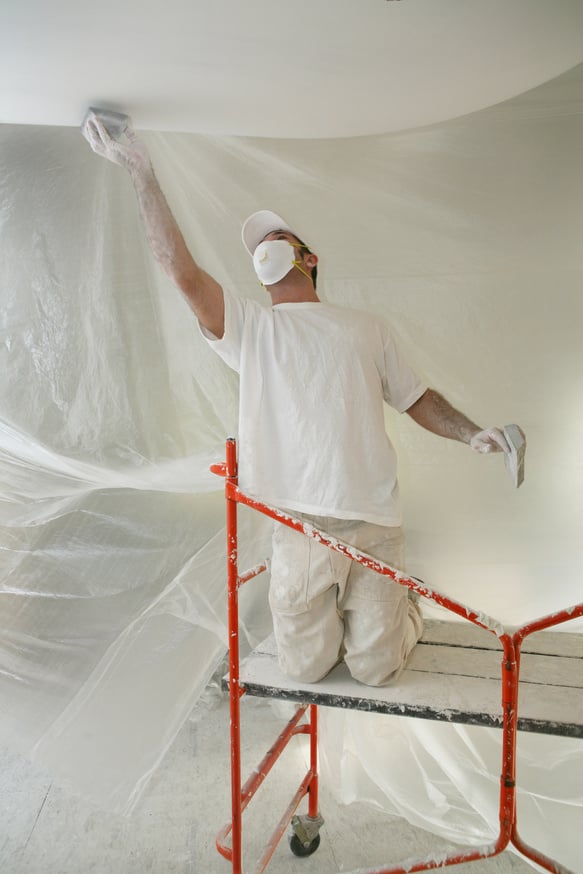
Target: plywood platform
453	675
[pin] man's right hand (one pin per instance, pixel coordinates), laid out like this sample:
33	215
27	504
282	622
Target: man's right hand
203	293
132	155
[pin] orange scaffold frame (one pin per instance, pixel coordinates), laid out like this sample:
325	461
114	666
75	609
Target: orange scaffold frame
242	795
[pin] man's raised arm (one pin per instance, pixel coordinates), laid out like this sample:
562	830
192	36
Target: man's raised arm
203	293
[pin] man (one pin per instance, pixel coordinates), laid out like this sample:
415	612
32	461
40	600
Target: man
313	378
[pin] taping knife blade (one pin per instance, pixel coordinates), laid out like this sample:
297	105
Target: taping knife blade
514	460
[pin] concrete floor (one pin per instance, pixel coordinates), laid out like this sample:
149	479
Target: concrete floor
45	831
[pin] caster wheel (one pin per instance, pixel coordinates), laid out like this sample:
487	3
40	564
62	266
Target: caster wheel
299	849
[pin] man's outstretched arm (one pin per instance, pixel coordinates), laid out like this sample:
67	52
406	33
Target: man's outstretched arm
203	293
437	415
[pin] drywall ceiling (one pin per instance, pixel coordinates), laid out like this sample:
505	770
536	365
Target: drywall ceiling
307	68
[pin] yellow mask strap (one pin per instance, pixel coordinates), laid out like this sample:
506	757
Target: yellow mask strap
301	269
297	263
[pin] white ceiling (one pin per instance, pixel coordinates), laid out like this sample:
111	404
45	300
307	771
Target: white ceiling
305	68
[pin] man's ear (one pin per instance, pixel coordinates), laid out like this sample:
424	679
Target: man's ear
311	260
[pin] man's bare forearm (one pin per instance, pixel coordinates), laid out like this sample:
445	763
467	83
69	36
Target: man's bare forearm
162	231
437	415
168	246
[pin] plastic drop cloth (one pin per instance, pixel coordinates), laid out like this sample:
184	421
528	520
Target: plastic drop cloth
466	236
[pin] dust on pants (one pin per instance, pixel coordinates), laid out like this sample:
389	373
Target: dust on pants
327	607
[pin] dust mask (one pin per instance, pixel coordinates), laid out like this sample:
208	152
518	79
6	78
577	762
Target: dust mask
273	259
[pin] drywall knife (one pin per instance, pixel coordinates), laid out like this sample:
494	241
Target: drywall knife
514	459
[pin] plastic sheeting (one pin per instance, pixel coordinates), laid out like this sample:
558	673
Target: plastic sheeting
467	237
446	779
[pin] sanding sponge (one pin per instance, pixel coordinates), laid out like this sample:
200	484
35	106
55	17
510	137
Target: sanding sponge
114	122
514	459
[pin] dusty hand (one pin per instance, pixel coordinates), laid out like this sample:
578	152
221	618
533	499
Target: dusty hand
489	440
132	154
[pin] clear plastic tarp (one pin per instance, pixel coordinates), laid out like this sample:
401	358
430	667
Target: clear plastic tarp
466	236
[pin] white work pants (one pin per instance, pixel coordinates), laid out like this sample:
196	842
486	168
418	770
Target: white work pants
326	606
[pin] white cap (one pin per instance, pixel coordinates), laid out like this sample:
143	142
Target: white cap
258	225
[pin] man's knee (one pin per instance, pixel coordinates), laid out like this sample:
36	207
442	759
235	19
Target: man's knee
375	670
379	657
304	668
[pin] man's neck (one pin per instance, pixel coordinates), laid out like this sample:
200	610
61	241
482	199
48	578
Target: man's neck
292	292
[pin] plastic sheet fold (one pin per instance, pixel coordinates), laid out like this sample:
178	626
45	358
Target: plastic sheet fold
466	236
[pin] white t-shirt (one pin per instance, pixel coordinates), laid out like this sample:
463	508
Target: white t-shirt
311	427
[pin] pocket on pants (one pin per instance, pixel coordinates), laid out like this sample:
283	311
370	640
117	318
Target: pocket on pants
290	571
